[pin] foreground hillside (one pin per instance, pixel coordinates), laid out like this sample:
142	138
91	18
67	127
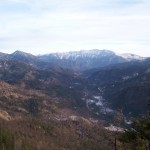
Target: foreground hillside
73	134
33	120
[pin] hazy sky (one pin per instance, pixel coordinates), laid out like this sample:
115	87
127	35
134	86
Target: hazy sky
45	26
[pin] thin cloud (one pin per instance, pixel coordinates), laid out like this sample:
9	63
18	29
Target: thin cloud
50	25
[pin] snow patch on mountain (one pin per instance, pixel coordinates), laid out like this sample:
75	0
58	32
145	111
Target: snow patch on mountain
129	77
129	56
74	55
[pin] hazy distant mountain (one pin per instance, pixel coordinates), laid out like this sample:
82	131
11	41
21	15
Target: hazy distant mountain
130	57
77	60
82	60
2	55
28	59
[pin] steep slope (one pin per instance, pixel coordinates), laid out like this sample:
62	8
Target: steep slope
13	71
18	102
125	86
53	82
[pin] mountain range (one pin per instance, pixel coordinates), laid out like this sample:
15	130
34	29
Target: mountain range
72	74
76	60
83	60
77	92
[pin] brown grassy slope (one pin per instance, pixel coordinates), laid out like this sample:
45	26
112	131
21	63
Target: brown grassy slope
57	135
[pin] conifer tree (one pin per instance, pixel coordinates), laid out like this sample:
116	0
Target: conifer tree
139	133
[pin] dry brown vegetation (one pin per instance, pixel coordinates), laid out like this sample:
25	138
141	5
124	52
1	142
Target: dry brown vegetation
33	120
54	135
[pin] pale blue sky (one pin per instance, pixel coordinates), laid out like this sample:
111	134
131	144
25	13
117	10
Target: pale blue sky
45	26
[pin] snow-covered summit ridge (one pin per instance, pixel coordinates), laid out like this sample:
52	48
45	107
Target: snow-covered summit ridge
94	53
129	56
82	54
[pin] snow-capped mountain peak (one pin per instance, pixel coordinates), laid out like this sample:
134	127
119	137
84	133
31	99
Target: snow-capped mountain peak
83	54
129	56
83	59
